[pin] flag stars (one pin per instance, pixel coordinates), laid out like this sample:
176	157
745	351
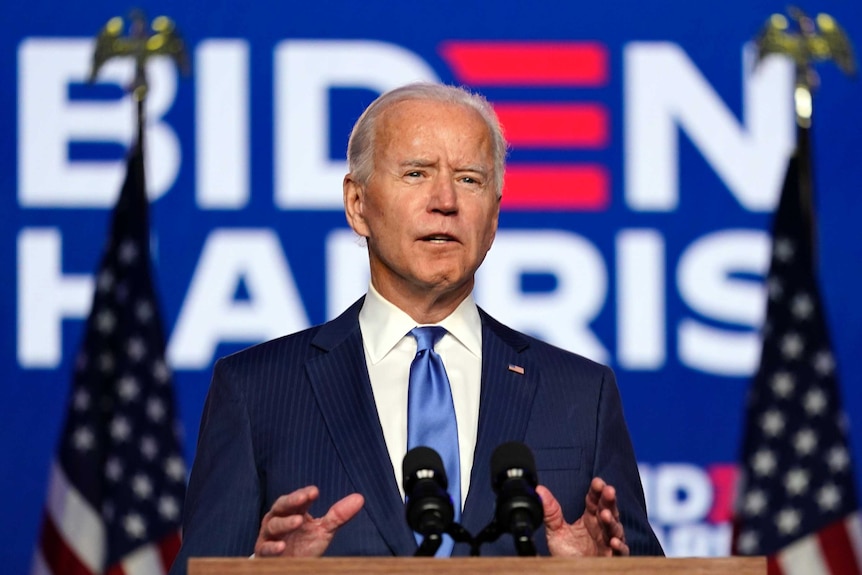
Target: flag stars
81	400
120	429
814	402
774	288
783	384
161	371
175	468
824	363
788	521
168	507
105	321
755	503
838	459
156	410
128	388
144	311
105	281
772	423
748	543
784	250
804	442
792	346
801	306
136	349
149	448
83	439
796	481
828	497
135	526
114	469
763	462
128	252
142	487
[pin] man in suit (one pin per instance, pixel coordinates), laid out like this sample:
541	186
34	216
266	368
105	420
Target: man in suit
302	437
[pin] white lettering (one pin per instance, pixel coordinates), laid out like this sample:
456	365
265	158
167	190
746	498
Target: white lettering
305	176
211	314
560	316
664	91
49	122
641	337
222	124
46	297
705	277
682	492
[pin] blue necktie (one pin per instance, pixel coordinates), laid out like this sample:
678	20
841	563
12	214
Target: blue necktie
431	415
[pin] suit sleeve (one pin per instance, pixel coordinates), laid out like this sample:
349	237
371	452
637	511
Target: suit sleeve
222	511
615	462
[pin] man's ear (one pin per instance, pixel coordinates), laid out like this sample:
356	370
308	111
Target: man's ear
354	205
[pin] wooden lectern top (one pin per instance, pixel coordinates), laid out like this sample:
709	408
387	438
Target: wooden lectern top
480	566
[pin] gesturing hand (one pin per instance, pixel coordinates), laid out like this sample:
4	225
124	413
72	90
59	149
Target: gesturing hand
288	529
597	533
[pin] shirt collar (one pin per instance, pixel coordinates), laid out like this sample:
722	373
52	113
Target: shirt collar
383	325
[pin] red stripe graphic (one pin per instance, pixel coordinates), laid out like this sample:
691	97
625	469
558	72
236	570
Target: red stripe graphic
583	64
59	557
556	187
554	125
838	549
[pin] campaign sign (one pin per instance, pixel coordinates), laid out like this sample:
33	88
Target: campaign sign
648	150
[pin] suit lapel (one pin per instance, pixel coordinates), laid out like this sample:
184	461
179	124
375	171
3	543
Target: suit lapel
341	386
505	404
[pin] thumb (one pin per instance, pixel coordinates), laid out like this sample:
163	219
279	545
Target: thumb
551	507
341	512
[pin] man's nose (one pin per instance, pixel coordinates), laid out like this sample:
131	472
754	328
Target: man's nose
444	197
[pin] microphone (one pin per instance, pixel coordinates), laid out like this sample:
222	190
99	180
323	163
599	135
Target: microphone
429	507
519	509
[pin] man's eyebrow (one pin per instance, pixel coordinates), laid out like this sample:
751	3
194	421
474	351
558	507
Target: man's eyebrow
417	163
474	168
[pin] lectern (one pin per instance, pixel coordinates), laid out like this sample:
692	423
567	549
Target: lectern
480	566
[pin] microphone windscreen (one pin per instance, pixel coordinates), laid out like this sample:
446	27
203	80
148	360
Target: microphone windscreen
512	455
422	459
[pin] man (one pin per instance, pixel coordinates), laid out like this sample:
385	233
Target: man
302	437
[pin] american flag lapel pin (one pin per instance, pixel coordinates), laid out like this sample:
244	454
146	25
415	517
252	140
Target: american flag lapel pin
516	368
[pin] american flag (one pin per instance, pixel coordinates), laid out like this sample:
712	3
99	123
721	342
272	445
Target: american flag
798	503
117	484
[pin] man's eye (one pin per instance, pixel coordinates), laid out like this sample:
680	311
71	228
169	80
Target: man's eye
470	180
414	174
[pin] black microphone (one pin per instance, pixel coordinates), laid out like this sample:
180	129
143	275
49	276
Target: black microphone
519	509
429	507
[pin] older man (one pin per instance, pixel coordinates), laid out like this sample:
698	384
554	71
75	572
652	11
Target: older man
302	437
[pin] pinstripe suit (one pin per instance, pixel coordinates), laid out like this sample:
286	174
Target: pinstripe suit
299	411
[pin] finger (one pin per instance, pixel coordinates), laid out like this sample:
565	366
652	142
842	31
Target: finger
619	547
341	512
276	527
553	513
270	549
594	494
296	502
609	501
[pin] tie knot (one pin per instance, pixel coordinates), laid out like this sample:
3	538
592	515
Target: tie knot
427	336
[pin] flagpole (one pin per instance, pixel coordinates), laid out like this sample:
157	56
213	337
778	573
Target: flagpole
817	39
165	41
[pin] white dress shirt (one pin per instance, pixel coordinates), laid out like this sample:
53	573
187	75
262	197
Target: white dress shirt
389	351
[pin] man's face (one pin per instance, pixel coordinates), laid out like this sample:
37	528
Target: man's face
429	210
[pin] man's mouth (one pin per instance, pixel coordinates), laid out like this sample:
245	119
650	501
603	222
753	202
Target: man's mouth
438	238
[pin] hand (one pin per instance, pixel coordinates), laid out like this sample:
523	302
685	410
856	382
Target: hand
288	529
598	532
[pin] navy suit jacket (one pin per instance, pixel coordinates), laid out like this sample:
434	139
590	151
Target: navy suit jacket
299	411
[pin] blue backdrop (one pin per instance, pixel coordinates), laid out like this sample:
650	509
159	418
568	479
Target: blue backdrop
647	155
